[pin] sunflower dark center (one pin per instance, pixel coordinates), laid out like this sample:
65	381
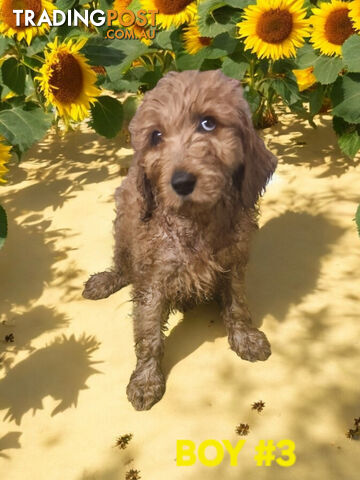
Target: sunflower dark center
66	79
9	17
338	26
205	41
274	26
171	7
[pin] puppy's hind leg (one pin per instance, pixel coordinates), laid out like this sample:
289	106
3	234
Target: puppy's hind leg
103	284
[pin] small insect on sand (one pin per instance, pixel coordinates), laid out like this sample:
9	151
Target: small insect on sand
258	406
242	429
132	475
123	441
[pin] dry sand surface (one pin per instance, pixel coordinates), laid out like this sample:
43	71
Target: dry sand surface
63	380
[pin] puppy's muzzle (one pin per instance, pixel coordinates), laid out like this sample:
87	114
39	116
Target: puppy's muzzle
183	182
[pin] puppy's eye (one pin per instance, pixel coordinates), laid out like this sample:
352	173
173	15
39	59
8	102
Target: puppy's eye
207	124
155	138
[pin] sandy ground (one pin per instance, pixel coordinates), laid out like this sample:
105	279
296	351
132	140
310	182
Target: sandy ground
63	380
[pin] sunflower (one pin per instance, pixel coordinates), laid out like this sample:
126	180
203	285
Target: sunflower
171	12
67	81
4	158
354	13
331	26
305	78
121	4
8	19
194	42
274	28
139	31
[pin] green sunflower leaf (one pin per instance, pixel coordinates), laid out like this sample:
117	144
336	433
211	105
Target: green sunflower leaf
235	66
345	96
22	128
316	98
184	61
253	98
239	3
104	55
107	116
222	46
163	39
4	45
340	126
32	63
13	75
287	89
123	85
327	69
306	57
132	49
130	105
351	53
37	45
65	5
349	143
3	226
216	16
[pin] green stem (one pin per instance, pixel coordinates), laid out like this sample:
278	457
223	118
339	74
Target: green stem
37	57
252	73
271	66
18	51
159	56
38	96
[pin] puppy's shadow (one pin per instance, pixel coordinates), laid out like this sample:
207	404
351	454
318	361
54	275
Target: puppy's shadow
285	262
199	325
285	266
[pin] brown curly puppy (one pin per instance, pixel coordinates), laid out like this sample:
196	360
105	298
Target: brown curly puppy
185	214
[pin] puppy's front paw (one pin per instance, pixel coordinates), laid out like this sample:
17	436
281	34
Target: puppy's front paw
145	388
250	344
100	285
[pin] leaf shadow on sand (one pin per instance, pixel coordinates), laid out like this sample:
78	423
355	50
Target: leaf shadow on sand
297	143
66	166
25	328
9	441
28	259
60	370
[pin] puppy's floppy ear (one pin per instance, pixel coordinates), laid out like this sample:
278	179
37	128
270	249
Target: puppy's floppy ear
258	163
143	185
139	140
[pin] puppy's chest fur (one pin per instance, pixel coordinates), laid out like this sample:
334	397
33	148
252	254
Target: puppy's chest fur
192	260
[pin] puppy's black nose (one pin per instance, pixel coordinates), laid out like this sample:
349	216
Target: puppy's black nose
183	182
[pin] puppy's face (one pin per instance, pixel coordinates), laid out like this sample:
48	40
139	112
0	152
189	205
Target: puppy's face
194	139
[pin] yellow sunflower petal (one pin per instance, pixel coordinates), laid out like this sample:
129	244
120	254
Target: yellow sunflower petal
4	158
67	81
193	40
354	13
274	28
119	5
305	78
332	26
8	26
171	12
